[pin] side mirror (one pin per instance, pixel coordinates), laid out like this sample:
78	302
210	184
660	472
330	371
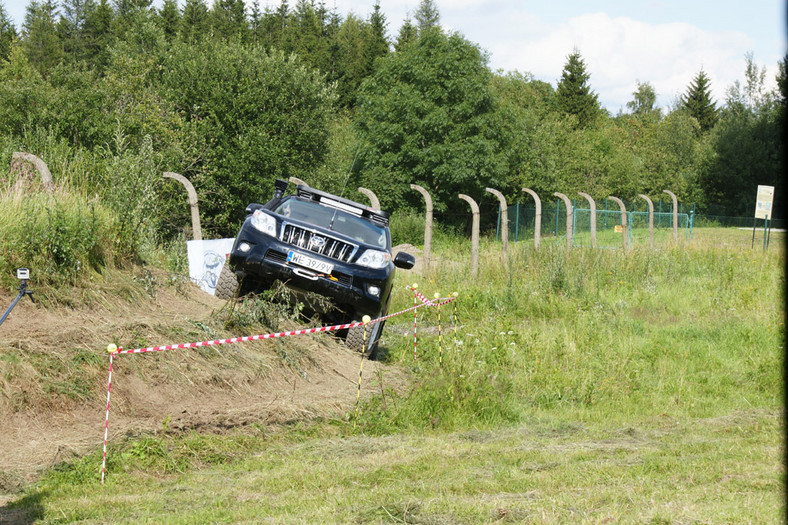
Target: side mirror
252	207
404	260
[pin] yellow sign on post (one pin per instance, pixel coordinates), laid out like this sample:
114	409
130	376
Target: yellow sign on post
763	205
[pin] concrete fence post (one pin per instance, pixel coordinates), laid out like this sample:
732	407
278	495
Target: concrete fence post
373	199
569	218
625	233
43	170
592	219
195	209
474	235
427	227
504	224
537	217
675	214
650	218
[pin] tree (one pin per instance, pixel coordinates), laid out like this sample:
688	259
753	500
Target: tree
194	22
98	35
7	34
427	116
407	34
376	43
747	146
427	16
250	117
644	101
698	103
228	19
41	41
72	27
351	67
255	22
573	95
169	19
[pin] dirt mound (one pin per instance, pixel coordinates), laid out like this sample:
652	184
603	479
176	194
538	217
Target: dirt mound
53	373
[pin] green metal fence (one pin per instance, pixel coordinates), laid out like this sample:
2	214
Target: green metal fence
522	220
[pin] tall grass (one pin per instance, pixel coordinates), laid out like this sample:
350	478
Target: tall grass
60	236
103	212
690	331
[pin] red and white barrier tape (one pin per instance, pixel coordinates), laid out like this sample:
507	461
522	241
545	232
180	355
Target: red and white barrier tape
114	350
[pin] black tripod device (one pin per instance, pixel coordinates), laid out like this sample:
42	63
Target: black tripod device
23	274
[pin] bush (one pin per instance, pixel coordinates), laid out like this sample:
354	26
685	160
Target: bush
60	236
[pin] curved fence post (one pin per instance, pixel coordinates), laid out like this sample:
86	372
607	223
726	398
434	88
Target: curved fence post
196	230
474	235
569	213
504	223
625	231
40	165
650	218
592	218
296	180
537	217
427	227
675	214
373	199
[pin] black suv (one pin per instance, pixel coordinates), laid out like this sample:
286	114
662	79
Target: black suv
317	242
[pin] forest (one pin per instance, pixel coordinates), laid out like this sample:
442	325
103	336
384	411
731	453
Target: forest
113	93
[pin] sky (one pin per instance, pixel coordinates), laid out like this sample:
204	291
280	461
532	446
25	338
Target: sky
623	42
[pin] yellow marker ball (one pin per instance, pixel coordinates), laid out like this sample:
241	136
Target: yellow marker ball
415	285
112	348
437	295
366	319
455	294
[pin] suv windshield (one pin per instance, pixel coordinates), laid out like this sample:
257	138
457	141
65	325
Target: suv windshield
335	220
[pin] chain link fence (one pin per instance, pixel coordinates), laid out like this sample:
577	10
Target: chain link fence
608	222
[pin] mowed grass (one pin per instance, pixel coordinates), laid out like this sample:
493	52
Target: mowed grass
567	387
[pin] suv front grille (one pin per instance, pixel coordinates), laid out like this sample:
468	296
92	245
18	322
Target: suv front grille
317	242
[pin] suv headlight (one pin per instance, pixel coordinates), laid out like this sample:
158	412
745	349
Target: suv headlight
374	259
264	222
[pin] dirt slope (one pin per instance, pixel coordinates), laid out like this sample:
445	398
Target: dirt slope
53	374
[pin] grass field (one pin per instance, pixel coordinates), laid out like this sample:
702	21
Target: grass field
589	386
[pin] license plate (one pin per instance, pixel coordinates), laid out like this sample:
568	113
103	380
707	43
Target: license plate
310	262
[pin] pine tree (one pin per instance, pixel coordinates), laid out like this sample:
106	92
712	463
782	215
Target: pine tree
407	35
376	45
123	8
194	22
427	16
697	101
41	42
71	27
573	95
7	34
169	19
98	35
228	19
255	22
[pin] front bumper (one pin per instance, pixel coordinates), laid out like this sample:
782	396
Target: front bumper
349	286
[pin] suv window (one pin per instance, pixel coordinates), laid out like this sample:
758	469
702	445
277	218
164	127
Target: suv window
335	220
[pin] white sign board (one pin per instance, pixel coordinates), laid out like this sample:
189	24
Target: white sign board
206	259
763	205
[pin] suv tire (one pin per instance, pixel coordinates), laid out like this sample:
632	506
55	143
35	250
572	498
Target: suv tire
227	284
355	339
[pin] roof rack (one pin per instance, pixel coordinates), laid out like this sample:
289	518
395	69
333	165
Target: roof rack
340	203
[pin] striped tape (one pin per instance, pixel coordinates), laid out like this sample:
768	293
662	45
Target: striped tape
274	335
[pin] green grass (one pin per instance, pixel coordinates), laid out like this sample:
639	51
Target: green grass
579	387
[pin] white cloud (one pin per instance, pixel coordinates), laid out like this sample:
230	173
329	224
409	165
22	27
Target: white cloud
620	51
